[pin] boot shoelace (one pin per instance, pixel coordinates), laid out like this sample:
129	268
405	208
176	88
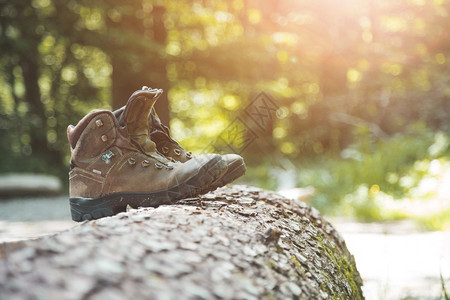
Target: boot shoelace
155	155
161	159
161	128
158	127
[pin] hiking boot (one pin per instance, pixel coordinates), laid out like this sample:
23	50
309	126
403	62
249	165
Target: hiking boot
169	148
108	172
135	116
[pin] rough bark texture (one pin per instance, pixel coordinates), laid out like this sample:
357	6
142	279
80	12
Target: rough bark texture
235	243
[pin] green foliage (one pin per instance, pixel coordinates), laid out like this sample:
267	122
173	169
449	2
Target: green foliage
259	175
444	291
376	180
435	221
48	82
371	174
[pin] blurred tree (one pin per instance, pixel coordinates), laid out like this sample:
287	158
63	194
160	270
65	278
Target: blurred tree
135	42
20	40
332	68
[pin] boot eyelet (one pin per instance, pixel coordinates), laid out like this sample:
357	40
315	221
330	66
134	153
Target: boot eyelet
177	152
169	167
158	165
132	161
188	154
99	123
107	157
165	150
104	138
145	163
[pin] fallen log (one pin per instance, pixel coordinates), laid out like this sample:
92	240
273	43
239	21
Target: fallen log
236	243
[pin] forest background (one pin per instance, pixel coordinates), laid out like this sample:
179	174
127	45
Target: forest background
358	91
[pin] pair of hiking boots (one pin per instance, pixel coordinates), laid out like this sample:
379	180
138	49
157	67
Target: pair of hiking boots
127	157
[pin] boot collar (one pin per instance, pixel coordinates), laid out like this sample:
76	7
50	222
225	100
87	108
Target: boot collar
124	113
74	132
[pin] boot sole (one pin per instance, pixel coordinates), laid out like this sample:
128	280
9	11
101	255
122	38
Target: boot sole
108	205
235	170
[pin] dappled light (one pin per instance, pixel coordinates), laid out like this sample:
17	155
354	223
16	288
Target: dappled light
360	89
341	107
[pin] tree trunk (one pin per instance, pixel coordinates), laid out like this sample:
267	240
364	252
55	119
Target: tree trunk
36	118
36	112
235	243
160	80
150	69
124	80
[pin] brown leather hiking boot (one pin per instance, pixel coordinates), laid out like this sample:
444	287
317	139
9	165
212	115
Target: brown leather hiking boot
167	146
108	172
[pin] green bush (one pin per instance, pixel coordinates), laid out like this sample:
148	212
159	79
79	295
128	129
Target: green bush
372	171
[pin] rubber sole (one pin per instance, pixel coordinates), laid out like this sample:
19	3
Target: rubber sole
108	205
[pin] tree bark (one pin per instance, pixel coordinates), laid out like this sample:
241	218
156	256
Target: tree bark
124	81
235	243
36	110
160	80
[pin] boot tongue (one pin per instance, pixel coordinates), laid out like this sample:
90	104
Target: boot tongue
134	117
